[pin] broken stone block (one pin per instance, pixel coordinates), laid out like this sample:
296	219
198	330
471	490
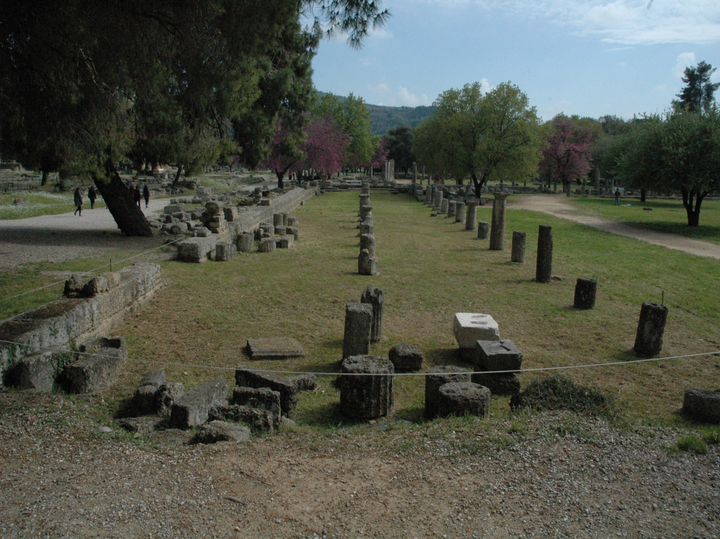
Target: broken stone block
202	232
245	242
305	382
267	245
192	409
262	398
406	357
460	398
436	377
95	372
469	328
375	297
144	401
500	355
286	242
221	431
96	285
231	213
225	251
274	348
702	405
196	249
37	371
141	425
166	395
73	286
366	386
498	384
172	208
286	387
258	419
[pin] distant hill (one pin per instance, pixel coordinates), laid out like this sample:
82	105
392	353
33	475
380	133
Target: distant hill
383	119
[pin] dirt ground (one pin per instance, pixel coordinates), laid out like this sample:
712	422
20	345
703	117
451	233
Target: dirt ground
68	474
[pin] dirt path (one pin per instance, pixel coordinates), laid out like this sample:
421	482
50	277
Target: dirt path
555	206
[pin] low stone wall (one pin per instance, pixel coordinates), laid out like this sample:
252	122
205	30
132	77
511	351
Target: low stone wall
79	320
250	217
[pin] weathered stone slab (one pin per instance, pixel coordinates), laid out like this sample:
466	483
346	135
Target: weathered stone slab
469	328
274	348
245	243
500	355
225	251
267	245
585	292
221	431
702	405
406	357
97	372
366	386
193	408
144	401
459	398
37	371
286	242
167	395
286	387
197	249
651	326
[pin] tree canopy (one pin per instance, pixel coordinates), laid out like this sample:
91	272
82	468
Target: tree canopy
481	135
698	94
84	82
566	153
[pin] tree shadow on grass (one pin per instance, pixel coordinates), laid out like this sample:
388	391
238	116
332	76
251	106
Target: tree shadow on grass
628	356
445	356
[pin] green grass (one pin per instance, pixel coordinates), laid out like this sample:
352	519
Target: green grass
693	443
666	215
38	203
561	393
430	269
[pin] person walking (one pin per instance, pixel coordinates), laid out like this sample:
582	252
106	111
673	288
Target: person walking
92	195
136	195
77	199
146	195
617	197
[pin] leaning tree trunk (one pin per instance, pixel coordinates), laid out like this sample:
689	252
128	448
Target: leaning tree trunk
177	176
43	181
118	199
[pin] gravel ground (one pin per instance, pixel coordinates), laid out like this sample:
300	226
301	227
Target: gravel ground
556	475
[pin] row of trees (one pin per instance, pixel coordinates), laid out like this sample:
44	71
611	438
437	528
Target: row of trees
85	83
496	135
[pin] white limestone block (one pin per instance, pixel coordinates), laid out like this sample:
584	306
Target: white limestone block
469	328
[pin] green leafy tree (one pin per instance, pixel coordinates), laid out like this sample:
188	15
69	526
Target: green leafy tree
698	94
399	143
676	152
485	136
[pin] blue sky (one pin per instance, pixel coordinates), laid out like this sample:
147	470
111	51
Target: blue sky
589	57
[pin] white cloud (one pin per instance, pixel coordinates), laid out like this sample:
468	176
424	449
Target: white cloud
627	22
380	33
686	59
485	86
402	98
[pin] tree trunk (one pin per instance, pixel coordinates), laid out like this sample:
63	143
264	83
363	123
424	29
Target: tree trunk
118	199
478	184
692	201
281	182
43	181
643	195
180	169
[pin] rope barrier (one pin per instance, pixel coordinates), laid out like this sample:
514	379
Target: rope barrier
405	374
143	253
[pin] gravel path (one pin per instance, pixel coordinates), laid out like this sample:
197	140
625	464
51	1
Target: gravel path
564	476
554	205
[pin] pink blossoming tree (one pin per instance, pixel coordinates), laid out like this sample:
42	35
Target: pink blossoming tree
567	152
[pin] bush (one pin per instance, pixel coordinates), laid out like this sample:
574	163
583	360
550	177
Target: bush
561	393
692	443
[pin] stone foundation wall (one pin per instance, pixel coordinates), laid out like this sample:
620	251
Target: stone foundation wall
249	218
78	320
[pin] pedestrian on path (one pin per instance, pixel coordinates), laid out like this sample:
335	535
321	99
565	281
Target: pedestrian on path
77	199
617	197
92	195
146	195
136	195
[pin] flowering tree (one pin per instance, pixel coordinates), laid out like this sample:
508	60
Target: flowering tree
567	151
285	154
325	147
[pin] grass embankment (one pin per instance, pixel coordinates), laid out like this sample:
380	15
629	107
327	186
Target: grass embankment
666	215
429	269
36	203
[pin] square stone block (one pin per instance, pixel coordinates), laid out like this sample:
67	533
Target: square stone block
469	328
497	356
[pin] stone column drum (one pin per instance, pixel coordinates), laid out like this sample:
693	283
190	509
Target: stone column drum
436	377
497	230
471	215
366	386
651	326
358	320
367	241
460	212
543	270
451	208
585	291
375	297
483	230
518	247
367	264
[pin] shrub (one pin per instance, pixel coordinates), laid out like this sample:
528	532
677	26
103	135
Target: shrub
561	393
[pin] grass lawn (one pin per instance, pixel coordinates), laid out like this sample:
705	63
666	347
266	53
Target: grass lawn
666	215
429	269
40	203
